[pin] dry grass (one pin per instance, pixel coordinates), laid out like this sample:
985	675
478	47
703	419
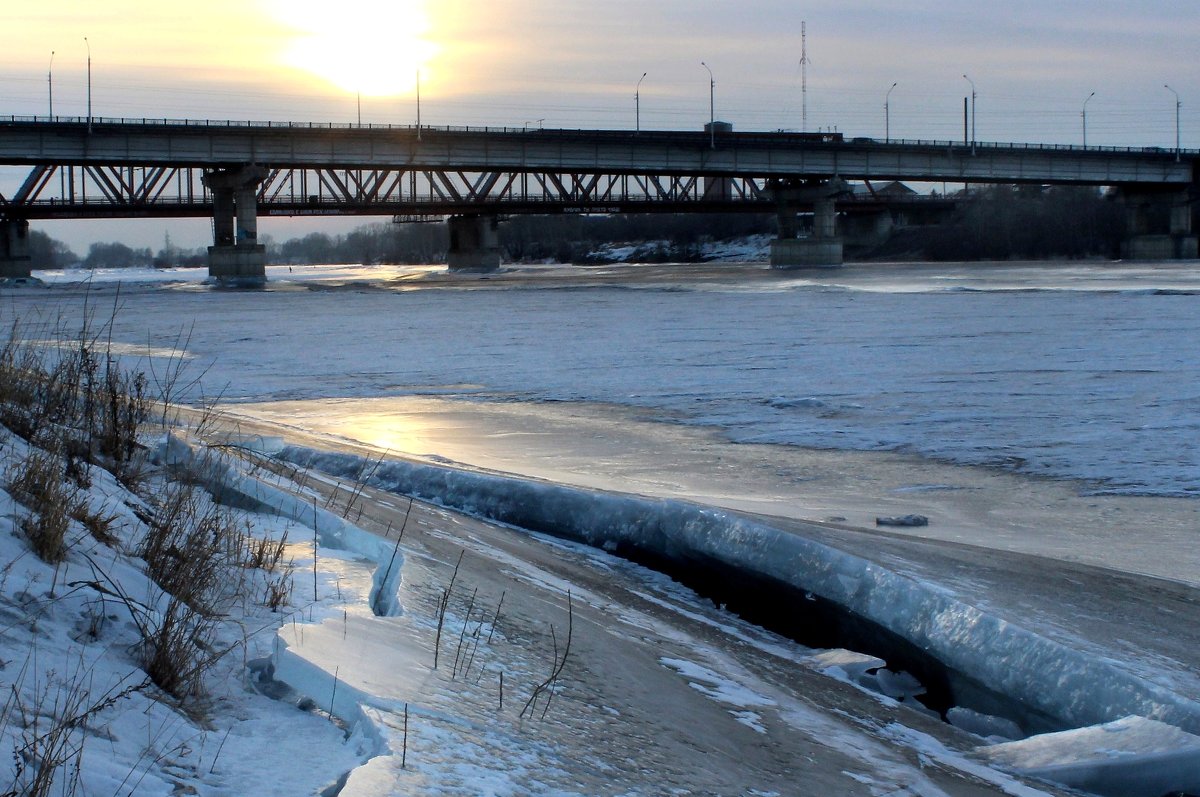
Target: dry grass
72	397
78	410
177	650
38	482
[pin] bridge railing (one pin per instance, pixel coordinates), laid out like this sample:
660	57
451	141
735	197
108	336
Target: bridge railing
726	139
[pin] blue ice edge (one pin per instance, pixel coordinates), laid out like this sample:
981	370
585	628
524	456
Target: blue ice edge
1041	684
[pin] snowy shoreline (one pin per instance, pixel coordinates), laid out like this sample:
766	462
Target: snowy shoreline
1051	683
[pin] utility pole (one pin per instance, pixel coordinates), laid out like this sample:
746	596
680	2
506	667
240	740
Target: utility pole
972	82
1178	105
1083	113
50	83
89	81
637	104
887	114
712	116
803	75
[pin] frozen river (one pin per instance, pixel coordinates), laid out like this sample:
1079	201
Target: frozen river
1026	409
636	378
1082	372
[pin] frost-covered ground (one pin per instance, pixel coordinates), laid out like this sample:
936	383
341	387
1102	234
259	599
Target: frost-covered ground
1071	372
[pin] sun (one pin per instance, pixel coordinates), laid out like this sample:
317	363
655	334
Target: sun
372	47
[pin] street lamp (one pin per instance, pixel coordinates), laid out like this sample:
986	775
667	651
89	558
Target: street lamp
887	116
1083	113
972	82
359	95
712	117
418	105
89	82
50	83
637	104
1178	105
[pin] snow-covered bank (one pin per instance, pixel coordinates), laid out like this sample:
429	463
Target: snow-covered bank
988	660
82	716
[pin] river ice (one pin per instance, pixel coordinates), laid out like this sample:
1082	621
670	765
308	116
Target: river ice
1082	374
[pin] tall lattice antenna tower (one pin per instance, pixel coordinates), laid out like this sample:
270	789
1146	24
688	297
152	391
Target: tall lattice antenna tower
803	76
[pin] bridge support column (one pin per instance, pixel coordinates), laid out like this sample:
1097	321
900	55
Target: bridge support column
821	248
14	249
236	258
474	243
1159	227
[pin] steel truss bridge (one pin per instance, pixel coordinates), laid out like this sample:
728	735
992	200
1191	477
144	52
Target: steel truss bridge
105	191
106	168
234	172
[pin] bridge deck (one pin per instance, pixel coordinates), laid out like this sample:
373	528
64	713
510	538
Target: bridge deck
788	155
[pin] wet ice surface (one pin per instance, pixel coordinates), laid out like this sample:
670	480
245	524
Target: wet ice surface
1069	371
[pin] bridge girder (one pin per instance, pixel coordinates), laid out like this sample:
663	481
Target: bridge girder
156	191
50	192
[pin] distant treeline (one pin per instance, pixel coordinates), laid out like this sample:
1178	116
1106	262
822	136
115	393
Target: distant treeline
994	223
1020	223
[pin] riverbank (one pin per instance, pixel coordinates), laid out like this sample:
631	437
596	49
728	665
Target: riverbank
661	690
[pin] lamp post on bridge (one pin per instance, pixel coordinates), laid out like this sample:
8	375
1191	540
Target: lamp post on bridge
418	105
1178	105
887	115
972	82
712	116
637	104
1083	113
89	82
50	83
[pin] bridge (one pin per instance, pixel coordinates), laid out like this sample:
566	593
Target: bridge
237	171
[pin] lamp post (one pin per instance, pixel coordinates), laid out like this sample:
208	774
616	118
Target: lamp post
972	82
712	116
89	82
418	105
637	104
1178	105
50	83
887	115
359	96
1083	114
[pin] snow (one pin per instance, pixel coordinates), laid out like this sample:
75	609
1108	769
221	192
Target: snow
1048	678
1129	757
68	648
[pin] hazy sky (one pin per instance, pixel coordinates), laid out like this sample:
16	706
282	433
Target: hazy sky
566	63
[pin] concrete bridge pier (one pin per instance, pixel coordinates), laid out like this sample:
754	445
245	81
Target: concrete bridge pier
1159	226
14	249
823	247
236	257
474	243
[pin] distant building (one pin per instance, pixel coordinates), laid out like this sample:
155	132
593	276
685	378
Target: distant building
889	190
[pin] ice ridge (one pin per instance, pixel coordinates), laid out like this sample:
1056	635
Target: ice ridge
1054	684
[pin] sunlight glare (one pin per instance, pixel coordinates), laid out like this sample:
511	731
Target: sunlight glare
370	46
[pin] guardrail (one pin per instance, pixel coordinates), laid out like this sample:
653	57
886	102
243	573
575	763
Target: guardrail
765	137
